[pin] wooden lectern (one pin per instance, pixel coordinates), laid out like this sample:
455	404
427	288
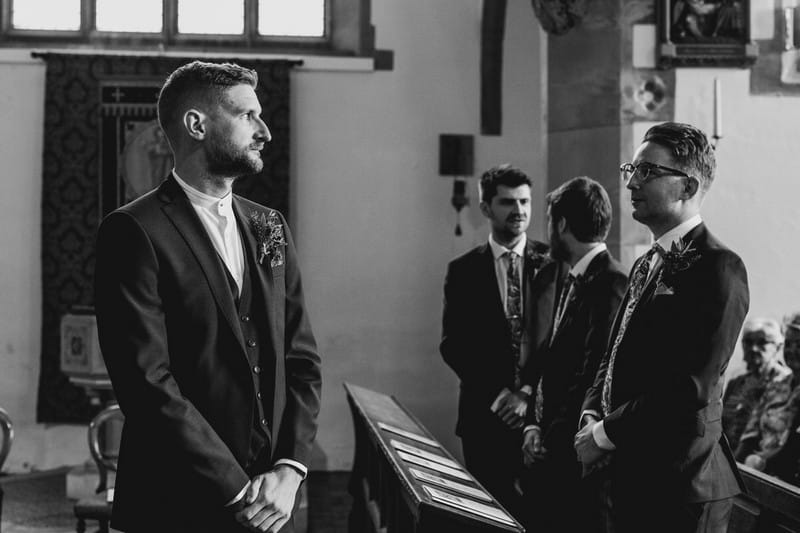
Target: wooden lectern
404	481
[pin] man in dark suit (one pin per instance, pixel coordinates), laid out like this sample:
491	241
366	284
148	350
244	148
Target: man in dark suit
203	327
498	302
579	217
654	411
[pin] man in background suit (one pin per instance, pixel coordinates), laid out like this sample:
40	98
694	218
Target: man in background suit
654	411
498	303
203	327
578	219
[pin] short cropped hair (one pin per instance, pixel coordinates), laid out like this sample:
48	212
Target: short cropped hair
196	83
689	147
792	320
506	175
770	327
584	204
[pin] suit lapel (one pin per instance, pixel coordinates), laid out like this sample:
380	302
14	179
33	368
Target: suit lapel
540	298
182	215
596	265
261	274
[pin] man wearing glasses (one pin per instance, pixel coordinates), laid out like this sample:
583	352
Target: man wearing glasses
652	419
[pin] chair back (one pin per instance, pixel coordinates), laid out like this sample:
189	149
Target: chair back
8	436
104	457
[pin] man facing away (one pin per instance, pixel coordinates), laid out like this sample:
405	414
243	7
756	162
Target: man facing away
579	217
652	418
498	302
203	327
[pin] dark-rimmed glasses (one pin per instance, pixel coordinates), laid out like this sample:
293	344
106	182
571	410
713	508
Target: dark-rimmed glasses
646	171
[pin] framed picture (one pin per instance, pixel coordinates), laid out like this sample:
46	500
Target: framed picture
704	33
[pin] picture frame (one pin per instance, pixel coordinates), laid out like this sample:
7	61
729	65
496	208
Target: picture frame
704	33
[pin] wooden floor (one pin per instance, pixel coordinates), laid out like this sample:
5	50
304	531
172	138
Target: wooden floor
37	503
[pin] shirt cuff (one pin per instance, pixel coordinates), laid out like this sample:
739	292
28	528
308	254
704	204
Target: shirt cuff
300	467
531	428
591	412
237	497
600	437
527	389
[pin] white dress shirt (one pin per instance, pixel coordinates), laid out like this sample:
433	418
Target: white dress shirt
501	267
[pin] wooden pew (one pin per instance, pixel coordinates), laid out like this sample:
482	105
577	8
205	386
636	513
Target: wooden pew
770	505
397	490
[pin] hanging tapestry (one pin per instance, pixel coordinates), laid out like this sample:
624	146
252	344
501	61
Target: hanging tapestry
103	148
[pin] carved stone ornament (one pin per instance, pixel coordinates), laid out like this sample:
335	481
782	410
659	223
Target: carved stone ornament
557	17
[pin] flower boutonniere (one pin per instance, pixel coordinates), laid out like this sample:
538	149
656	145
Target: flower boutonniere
537	256
679	258
269	237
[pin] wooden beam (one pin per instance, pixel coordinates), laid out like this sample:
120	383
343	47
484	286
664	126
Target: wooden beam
493	27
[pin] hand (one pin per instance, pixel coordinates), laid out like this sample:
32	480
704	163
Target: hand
587	449
513	407
532	449
269	499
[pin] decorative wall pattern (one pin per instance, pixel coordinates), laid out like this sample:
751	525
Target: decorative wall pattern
84	155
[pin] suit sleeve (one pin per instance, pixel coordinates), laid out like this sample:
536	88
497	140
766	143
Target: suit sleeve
456	345
706	336
303	368
133	339
603	309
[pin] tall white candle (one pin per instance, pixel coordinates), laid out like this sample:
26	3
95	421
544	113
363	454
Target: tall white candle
717	109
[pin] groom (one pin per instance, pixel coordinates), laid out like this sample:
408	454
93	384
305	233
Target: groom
203	327
652	418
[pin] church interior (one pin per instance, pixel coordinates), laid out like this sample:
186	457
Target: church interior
557	88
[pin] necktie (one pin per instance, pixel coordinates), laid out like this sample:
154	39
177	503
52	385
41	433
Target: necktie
566	295
514	311
563	302
635	289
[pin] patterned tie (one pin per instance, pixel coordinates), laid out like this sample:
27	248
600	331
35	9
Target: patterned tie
635	289
514	311
566	295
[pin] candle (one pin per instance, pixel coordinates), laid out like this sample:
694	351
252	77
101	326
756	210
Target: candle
717	109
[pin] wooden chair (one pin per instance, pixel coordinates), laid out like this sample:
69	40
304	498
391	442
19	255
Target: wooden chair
99	508
7	429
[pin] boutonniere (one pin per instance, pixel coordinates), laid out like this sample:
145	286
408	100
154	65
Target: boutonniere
537	258
269	237
679	258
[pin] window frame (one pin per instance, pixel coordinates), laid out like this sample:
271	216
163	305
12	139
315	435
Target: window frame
338	39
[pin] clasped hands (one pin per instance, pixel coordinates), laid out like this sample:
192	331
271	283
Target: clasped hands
511	407
589	453
269	499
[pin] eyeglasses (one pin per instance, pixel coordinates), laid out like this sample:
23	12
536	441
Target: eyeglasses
758	343
647	172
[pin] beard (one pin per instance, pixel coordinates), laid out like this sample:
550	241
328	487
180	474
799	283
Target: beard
225	159
557	248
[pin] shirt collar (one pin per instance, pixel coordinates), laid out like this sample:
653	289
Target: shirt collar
221	206
678	232
583	263
498	249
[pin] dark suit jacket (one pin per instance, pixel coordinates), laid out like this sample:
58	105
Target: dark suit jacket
170	337
570	362
476	340
667	380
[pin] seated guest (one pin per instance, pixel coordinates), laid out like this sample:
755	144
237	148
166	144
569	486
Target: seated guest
762	341
770	441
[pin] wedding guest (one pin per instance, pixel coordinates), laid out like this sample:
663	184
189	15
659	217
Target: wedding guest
653	430
770	441
203	327
762	343
578	220
498	304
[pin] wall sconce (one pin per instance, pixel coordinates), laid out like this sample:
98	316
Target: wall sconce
790	56
455	159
